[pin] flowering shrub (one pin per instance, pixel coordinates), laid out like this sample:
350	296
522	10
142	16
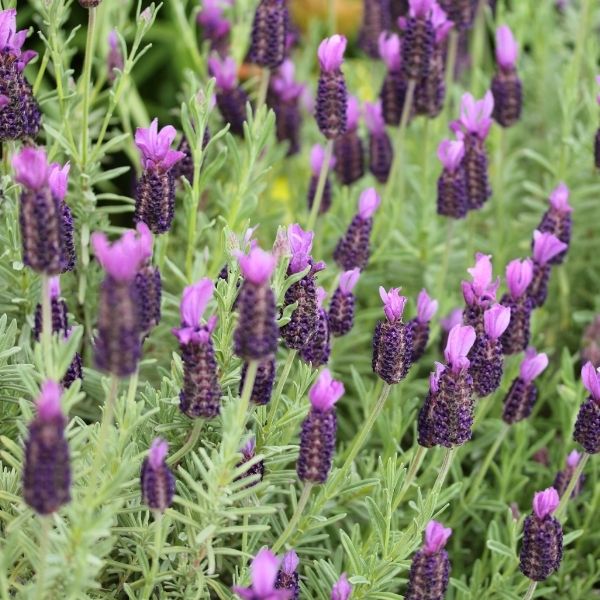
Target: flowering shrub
296	314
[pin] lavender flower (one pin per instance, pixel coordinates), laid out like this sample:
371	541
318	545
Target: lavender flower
353	249
155	189
447	413
590	350
451	186
348	147
473	127
545	247
157	480
486	355
20	115
522	395
542	548
342	590
419	39
332	97
563	478
376	19
201	393
395	85
392	340
480	294
269	34
587	425
557	220
317	348
317	438
430	568
256	334
317	157
263	571
263	382
45	219
506	85
460	12
114	60
426	309
215	26
119	329
231	99
149	290
287	576
381	152
341	307
46	462
518	278
258	468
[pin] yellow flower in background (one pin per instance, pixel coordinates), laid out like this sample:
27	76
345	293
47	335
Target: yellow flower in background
348	13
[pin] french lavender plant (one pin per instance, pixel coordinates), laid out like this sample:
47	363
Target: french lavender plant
557	220
376	19
451	185
395	85
201	393
45	219
392	339
381	151
342	305
506	85
263	570
317	158
546	246
522	394
155	189
426	309
354	247
419	39
341	590
564	477
269	34
20	116
287	575
542	549
119	329
519	274
480	293
317	349
46	461
156	479
348	147
430	568
317	436
446	416
231	98
587	425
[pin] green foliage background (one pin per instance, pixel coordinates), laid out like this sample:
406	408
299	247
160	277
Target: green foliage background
102	544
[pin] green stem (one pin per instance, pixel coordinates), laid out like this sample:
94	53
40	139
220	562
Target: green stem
46	326
443	472
279	389
415	464
303	500
43	557
530	590
263	88
562	507
156	558
41	72
316	206
248	386
87	80
189	445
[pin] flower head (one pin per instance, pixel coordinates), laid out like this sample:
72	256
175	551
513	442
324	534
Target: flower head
317	157
374	117
368	203
496	320
436	536
331	52
546	246
342	589
591	380
482	286
31	167
122	259
533	365
475	115
559	199
519	274
58	180
460	341
426	307
48	402
348	280
451	153
194	301
325	392
393	303
507	49
300	242
390	50
224	70
211	18
545	503
155	146
11	40
257	265
263	572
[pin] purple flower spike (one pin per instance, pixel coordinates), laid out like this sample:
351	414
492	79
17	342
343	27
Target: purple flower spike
559	199
507	49
157	480
341	308
389	50
426	307
331	53
518	276
475	115
300	242
496	320
563	478
381	152
483	287
587	425
269	33
545	503
325	392
452	198
342	590
533	365
368	203
545	247
451	153
257	266
522	395
155	146
348	147
263	571
436	536
393	303
460	341
557	219
287	576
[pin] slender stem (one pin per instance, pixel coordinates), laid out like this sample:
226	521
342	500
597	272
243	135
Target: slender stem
279	389
248	386
156	558
41	71
87	77
46	336
43	557
562	507
415	464
316	206
360	439
450	66
263	88
302	501
189	445
132	388
443	472
530	590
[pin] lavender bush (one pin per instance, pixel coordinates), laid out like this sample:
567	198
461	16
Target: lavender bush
203	206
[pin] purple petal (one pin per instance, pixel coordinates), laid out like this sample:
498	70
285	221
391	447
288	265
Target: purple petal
507	49
455	317
573	459
290	562
58	179
224	71
546	246
352	113
393	303
434	378
374	117
157	453
331	52
460	341
496	320
368	203
31	168
325	392
436	536
451	153
390	50
533	365
518	276
546	502
348	280
426	307
256	266
300	242
559	199
341	588
317	157
264	569
48	402
194	301
591	380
